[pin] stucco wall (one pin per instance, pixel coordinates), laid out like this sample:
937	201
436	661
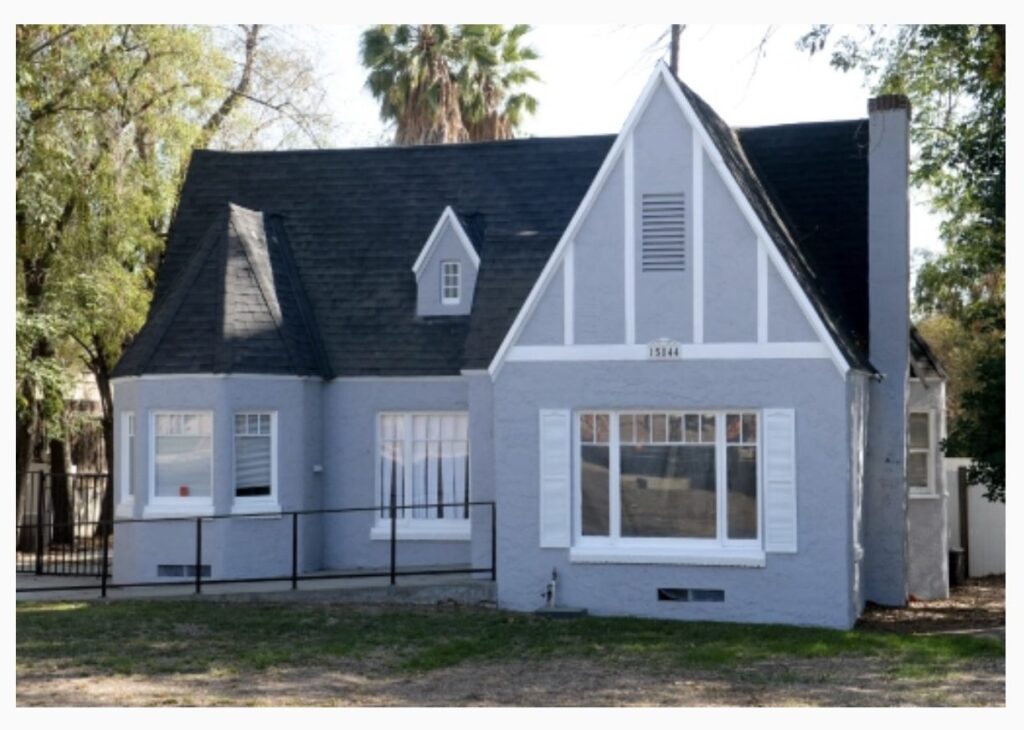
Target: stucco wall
809	587
600	310
546	325
928	562
730	266
786	323
428	298
232	547
351	406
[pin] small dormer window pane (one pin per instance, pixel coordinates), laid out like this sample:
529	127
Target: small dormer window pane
451	282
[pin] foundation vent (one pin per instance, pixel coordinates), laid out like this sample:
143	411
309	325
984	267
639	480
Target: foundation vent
691	595
181	571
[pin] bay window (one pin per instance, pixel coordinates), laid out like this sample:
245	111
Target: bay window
423	465
667	479
182	463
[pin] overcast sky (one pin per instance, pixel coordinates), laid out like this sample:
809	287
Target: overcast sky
592	74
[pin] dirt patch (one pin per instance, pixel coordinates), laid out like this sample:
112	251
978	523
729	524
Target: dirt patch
977	607
866	681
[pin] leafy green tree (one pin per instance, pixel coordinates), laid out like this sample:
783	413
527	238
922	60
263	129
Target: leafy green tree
955	77
107	117
440	83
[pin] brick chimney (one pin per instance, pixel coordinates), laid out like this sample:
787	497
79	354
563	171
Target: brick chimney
885	484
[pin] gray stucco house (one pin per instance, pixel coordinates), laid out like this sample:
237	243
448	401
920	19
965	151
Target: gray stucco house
678	358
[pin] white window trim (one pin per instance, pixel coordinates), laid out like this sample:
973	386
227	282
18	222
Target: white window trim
929	491
266	503
446	528
458	282
178	506
665	550
126	502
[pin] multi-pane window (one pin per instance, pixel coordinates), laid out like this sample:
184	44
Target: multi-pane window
254	448
183	455
423	464
127	457
919	452
668	475
451	282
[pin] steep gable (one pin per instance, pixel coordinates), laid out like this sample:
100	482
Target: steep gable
677	235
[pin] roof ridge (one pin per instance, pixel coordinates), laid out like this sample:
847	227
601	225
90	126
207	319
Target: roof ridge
268	292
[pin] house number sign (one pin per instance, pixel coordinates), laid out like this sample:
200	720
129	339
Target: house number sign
664	349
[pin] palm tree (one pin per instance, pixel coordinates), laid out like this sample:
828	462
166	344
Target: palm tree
410	74
494	69
440	83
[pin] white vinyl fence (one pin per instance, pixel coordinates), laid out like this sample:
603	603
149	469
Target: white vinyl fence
985	529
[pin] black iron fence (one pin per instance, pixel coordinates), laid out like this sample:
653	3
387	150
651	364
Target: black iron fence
60	521
104	529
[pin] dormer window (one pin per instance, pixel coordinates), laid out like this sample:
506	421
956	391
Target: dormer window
451	282
446	270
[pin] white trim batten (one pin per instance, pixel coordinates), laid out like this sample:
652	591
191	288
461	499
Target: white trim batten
569	294
706	351
629	264
697	155
762	291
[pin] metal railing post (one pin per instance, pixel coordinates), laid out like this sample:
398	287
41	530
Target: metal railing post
199	555
394	516
494	541
295	550
40	506
106	555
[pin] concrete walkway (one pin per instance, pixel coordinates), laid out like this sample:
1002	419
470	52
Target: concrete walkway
410	589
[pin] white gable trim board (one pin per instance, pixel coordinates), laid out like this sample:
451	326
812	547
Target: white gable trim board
767	252
448	217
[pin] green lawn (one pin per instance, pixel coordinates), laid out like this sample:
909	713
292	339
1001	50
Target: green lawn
173	637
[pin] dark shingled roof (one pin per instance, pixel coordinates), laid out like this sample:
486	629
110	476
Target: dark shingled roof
826	163
236	304
924	363
350	224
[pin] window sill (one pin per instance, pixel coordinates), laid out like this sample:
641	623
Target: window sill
423	530
201	509
124	511
634	556
925	495
256	507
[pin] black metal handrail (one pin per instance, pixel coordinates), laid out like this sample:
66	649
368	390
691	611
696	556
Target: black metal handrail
294	577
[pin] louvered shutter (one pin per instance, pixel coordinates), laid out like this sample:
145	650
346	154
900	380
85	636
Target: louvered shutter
555	479
780	517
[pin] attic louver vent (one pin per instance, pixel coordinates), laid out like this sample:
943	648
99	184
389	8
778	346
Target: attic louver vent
663	238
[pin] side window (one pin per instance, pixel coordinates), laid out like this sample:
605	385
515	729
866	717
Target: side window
919	453
254	455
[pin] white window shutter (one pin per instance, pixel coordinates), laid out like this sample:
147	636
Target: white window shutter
780	522
555	479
